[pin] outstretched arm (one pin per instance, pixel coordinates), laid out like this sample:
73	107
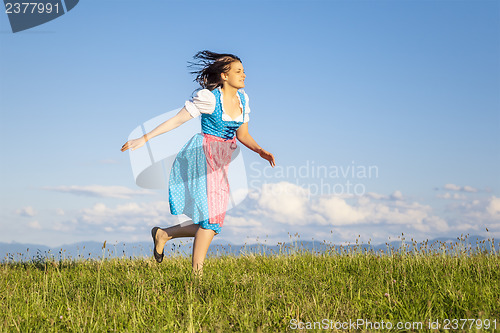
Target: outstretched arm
245	138
180	118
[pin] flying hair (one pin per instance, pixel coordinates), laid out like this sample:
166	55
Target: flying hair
209	66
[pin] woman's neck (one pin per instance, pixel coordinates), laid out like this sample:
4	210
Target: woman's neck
228	90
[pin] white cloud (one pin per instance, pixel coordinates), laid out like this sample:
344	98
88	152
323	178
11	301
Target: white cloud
131	214
288	204
125	218
452	187
235	221
127	228
469	189
455	196
35	225
432	223
373	195
285	202
475	214
26	211
390	212
120	192
280	208
466	188
493	207
397	195
336	211
237	228
65	226
465	227
447	195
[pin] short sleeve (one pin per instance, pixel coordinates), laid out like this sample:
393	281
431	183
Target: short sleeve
247	108
203	102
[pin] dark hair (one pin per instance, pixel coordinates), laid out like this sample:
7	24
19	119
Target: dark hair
210	66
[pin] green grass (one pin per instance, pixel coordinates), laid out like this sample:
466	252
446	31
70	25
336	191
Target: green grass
250	293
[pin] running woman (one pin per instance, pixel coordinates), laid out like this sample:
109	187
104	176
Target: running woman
198	185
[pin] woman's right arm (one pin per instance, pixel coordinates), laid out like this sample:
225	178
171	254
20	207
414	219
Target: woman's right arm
180	118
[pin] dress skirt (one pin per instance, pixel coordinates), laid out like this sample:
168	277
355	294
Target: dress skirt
198	185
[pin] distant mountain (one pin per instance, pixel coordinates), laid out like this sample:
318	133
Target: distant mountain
96	250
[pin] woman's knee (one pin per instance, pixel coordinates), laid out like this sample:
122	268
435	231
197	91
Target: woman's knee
205	233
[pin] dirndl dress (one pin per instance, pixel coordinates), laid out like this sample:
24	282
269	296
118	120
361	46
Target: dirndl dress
198	184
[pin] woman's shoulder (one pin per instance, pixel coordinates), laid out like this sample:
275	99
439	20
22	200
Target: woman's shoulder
242	92
206	97
205	94
203	102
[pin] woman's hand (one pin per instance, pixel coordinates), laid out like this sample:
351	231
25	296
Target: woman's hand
267	156
134	144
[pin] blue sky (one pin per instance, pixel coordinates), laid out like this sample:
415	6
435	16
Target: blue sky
410	88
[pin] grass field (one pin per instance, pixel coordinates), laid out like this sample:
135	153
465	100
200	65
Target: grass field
293	291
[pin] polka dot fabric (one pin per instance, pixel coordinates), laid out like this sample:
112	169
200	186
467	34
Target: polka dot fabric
198	185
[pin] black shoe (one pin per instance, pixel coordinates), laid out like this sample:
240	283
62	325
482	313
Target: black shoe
158	256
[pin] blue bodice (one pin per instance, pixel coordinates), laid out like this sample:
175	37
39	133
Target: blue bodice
214	125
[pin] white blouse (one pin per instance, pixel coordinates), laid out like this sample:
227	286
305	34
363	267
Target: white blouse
204	102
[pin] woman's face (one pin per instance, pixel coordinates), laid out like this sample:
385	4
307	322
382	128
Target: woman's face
235	77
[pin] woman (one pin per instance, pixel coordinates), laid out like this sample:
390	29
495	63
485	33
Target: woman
198	185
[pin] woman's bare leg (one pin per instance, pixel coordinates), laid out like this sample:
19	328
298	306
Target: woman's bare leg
180	230
202	241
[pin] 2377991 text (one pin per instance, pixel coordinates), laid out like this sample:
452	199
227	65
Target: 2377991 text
462	324
30	7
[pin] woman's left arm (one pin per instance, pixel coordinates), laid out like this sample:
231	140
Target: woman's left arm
245	138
